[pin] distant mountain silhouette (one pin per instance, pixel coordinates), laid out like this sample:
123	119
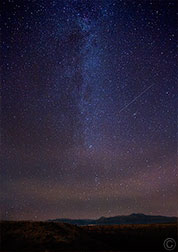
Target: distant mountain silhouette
134	218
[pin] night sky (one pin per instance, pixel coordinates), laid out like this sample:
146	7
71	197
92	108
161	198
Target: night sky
88	109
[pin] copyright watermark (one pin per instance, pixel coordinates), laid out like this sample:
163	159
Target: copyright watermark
169	244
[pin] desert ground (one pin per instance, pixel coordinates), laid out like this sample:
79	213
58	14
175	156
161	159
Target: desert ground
52	237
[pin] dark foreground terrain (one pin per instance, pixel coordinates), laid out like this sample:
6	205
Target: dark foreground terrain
50	236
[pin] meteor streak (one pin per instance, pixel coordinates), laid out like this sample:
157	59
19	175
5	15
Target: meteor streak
143	92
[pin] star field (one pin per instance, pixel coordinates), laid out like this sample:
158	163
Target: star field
88	108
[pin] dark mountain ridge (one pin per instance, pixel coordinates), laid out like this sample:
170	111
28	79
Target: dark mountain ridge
134	218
